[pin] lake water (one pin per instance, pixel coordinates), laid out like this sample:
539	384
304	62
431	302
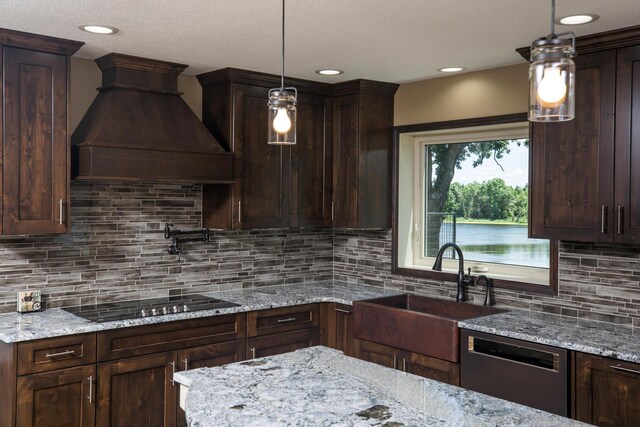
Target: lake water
506	244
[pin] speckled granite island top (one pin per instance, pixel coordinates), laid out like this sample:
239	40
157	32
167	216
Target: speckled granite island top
15	327
322	387
588	336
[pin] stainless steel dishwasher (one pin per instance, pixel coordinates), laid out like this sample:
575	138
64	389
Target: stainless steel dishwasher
531	374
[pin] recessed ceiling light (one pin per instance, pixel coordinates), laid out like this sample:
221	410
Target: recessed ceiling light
99	29
580	19
329	72
450	69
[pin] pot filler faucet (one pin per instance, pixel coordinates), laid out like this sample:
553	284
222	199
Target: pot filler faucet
463	279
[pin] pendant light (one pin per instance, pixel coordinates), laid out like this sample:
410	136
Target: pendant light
552	76
282	108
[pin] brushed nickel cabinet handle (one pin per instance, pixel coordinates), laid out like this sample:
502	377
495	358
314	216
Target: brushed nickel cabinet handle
339	310
620	216
603	219
332	211
623	369
173	371
395	362
239	210
60	203
62	353
186	364
288	319
90	388
404	365
253	352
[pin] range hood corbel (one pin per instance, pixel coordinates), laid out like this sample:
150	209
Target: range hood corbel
139	128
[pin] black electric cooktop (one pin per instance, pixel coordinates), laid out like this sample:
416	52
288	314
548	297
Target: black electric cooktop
107	312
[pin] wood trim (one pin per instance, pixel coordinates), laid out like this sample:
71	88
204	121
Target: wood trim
119	60
552	289
38	42
362	85
614	39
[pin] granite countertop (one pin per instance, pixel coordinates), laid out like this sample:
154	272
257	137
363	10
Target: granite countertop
16	327
320	386
588	336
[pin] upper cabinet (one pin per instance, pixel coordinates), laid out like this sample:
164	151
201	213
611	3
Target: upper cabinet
339	166
35	148
583	185
362	154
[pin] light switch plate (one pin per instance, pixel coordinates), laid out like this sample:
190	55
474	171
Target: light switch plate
29	301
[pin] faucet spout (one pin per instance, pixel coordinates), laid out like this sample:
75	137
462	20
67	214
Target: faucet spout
462	278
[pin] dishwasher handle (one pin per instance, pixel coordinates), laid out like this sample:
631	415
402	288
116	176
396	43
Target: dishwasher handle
514	353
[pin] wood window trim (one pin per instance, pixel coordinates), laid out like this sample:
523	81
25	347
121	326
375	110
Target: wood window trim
551	289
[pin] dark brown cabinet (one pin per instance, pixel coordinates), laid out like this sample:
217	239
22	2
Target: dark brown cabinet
270	345
583	174
35	148
344	333
407	361
362	151
275	186
64	398
607	391
138	391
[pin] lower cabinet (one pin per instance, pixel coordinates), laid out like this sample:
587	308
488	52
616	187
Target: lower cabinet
271	345
138	391
607	391
406	361
344	334
64	398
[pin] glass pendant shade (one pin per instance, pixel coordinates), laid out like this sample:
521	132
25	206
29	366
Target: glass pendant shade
282	116
551	81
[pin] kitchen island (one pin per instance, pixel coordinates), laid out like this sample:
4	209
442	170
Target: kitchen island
320	386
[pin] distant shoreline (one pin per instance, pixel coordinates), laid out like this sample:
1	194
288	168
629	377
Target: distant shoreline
488	222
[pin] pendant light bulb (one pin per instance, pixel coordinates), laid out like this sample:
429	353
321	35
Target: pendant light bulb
282	122
552	89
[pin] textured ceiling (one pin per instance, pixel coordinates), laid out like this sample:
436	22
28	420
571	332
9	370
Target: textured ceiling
389	40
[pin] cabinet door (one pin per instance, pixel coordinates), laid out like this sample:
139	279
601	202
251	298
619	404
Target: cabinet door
263	169
35	155
607	391
137	392
571	163
627	158
311	163
430	367
344	333
62	398
379	354
271	345
345	160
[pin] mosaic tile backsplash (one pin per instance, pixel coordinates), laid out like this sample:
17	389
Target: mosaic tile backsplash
116	251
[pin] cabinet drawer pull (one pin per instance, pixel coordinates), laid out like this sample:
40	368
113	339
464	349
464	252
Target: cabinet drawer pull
239	211
288	319
173	371
186	364
60	202
395	362
90	388
623	369
62	353
332	211
339	310
253	352
603	219
620	217
404	365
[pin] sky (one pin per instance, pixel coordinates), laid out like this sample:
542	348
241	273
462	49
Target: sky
515	164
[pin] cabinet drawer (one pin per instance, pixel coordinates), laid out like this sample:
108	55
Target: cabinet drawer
282	343
128	342
276	320
56	353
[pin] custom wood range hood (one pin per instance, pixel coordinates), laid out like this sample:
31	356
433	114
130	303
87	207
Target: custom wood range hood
139	128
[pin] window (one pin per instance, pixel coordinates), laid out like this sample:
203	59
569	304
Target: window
469	186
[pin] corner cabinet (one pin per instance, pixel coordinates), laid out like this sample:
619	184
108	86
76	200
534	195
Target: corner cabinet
583	173
35	147
362	154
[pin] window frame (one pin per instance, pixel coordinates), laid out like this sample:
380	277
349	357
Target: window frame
549	289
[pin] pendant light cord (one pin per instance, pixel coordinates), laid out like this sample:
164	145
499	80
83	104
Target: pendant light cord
282	77
553	21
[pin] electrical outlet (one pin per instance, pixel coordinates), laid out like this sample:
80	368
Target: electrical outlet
29	301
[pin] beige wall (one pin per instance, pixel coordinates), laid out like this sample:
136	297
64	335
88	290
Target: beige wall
86	77
492	92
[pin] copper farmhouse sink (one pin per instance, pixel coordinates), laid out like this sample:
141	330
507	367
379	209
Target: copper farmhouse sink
415	323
